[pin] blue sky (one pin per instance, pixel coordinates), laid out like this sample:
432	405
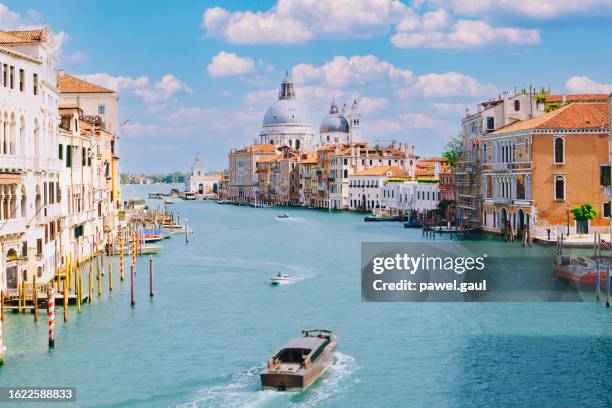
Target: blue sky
197	76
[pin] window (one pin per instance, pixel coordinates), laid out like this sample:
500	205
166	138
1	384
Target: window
517	105
39	244
490	123
345	173
559	188
12	77
83	157
101	109
68	156
21	80
606	210
35	84
5	75
559	150
61	152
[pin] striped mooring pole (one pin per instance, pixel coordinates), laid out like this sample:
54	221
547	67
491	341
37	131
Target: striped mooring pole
51	315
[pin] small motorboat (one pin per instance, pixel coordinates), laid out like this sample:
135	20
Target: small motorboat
283	215
168	202
300	361
280	279
381	218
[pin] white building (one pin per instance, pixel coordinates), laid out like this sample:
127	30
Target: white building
199	183
285	122
366	186
29	176
403	196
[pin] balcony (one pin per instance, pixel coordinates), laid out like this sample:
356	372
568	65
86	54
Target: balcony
502	166
15	162
12	226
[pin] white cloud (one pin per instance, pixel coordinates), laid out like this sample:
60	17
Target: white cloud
417	120
369	106
445	108
435	30
583	84
358	69
295	21
450	84
164	89
161	91
229	64
10	20
116	83
76	58
540	9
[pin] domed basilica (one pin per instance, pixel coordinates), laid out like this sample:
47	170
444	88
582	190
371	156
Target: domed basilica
285	123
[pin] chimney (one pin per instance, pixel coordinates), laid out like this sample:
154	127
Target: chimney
60	72
564	100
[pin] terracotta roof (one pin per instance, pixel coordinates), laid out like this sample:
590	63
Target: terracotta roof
576	98
268	159
69	84
24	36
261	148
382	171
573	116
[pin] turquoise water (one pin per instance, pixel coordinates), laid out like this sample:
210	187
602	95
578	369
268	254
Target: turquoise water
214	321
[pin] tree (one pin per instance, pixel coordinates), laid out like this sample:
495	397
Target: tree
583	214
452	149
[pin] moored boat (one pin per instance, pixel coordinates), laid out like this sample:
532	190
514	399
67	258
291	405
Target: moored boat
144	249
300	361
283	215
378	218
580	270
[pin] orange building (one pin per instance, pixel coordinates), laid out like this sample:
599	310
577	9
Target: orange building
537	170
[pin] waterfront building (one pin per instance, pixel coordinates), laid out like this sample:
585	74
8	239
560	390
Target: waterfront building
447	191
403	196
308	178
201	184
430	168
537	170
285	122
98	107
82	183
242	184
284	178
348	159
366	186
491	115
29	179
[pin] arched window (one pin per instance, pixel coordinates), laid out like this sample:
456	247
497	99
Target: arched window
271	141
559	150
517	105
559	188
297	144
345	173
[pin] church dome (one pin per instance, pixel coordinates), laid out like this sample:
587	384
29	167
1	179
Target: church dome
334	121
285	112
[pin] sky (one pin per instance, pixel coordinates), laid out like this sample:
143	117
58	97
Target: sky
196	77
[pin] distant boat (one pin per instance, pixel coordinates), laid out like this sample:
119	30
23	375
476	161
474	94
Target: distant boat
378	218
580	270
283	215
413	224
168	202
189	196
280	279
144	249
300	361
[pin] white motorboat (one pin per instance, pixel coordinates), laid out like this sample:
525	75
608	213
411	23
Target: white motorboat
280	279
283	215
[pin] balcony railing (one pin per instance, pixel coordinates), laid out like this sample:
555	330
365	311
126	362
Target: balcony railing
12	226
15	162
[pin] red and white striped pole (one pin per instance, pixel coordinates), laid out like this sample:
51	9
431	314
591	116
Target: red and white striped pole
51	314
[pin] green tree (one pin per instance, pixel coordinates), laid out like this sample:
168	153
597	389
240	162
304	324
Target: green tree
583	214
452	149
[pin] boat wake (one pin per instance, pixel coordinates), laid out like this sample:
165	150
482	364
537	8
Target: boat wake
243	389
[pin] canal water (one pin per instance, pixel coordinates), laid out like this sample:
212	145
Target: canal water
214	321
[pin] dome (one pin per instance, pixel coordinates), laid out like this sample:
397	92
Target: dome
334	123
285	112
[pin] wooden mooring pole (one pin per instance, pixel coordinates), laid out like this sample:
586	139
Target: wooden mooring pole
110	276
35	298
151	276
132	272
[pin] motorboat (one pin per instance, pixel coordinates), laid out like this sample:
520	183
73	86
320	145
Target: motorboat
280	279
283	215
300	361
